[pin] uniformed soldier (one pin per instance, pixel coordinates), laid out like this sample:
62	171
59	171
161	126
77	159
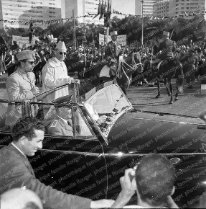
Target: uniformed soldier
167	47
61	124
112	49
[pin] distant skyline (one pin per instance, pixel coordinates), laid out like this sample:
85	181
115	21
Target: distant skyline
124	6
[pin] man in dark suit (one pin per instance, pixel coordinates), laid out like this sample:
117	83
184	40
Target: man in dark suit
16	171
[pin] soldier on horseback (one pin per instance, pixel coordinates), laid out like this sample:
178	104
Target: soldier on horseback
112	48
166	48
169	66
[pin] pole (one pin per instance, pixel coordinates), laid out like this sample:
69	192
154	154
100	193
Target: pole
142	41
74	31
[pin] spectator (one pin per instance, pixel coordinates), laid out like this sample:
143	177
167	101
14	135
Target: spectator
28	135
153	181
20	199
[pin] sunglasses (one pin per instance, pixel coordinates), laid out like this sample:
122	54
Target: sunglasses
62	53
31	62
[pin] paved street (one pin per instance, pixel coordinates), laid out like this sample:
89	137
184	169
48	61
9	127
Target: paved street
186	109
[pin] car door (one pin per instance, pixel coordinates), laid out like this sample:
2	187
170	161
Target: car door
183	143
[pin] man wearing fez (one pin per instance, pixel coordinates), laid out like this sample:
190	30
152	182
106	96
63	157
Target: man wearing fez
20	86
55	74
112	48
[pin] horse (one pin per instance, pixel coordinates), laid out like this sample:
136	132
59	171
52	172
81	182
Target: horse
168	69
129	67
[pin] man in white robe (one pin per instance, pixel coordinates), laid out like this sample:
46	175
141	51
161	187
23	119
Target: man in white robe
55	74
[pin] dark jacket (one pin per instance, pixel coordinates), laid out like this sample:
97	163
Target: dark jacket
111	50
167	47
16	171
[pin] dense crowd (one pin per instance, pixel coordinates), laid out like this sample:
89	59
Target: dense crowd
84	58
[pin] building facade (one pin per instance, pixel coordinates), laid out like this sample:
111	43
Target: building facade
17	13
147	5
161	8
83	10
183	7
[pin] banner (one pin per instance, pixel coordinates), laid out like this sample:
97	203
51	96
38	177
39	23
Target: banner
101	39
24	41
21	40
121	40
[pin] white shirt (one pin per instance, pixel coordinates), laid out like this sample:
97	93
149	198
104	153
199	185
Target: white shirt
54	74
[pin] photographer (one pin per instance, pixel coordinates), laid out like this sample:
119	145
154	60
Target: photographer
153	182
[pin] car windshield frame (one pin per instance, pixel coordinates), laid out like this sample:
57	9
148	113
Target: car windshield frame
114	100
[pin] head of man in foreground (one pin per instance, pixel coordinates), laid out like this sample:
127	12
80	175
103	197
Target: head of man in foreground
28	135
152	180
154	176
20	199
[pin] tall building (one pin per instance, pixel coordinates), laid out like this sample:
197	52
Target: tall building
161	8
81	9
17	13
147	6
183	7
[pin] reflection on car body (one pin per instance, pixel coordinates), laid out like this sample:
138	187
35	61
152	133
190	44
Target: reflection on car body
107	136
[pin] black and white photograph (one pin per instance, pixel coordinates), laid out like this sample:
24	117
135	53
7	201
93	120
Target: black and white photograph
102	104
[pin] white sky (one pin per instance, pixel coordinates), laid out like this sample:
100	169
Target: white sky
124	6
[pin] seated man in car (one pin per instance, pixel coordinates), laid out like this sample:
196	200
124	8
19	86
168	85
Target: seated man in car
61	124
153	182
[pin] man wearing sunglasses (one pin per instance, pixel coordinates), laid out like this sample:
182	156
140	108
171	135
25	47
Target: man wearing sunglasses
20	85
55	74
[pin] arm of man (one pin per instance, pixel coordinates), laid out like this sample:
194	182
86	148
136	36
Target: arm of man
51	198
16	171
127	191
13	90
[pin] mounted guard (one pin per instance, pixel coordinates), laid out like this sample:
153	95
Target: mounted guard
169	67
112	49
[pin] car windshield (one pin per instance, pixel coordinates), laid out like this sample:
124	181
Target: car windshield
106	106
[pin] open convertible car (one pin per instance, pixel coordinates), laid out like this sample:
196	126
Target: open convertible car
91	140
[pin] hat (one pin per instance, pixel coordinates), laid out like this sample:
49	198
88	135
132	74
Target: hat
26	55
61	46
165	33
113	33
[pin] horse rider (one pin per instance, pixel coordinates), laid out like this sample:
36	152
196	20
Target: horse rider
166	48
112	49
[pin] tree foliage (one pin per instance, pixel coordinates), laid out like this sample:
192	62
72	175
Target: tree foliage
180	28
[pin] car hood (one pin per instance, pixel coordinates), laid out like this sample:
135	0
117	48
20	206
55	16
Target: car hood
131	133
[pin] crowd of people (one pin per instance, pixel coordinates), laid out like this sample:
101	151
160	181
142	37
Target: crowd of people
30	68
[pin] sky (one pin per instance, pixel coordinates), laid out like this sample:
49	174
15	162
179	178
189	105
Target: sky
124	6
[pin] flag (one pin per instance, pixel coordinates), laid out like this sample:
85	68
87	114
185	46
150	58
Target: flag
107	14
186	14
103	9
99	10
